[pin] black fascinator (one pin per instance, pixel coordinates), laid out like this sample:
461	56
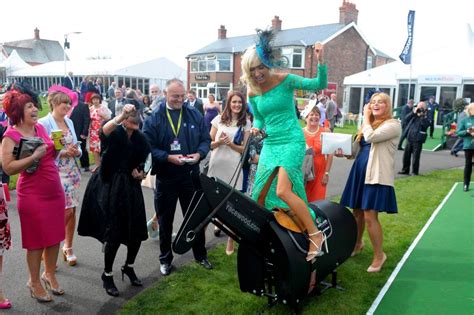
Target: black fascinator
369	94
24	87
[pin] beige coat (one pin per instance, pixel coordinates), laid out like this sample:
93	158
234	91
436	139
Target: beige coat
384	140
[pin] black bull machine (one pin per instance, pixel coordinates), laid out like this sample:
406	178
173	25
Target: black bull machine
271	259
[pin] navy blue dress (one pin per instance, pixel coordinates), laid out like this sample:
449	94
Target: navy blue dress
358	195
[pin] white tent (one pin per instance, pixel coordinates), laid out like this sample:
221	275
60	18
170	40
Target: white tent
14	63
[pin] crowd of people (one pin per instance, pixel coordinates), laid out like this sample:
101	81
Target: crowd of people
176	131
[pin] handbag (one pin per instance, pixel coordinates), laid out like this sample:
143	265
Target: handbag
239	136
308	165
26	148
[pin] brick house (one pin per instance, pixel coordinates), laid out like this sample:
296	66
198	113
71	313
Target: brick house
215	68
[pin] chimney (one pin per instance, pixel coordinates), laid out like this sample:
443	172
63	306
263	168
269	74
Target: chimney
37	34
276	23
348	13
222	32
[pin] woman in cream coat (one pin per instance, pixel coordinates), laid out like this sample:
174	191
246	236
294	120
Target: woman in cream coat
369	188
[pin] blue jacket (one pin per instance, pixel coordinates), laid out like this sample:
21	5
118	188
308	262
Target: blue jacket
193	135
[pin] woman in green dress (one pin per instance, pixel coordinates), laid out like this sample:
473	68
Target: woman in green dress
281	159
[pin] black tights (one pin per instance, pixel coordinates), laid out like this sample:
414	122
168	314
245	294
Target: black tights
110	251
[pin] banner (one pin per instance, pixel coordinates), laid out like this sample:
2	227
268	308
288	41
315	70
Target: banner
405	56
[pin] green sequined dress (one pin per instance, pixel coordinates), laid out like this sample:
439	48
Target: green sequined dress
285	144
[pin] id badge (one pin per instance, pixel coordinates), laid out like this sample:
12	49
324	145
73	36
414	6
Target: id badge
175	146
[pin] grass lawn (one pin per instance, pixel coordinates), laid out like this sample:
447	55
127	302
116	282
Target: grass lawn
193	290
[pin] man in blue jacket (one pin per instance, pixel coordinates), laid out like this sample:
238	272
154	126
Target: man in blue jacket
179	139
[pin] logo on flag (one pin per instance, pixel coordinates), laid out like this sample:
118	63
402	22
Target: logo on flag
405	56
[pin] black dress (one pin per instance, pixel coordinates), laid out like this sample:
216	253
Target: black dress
113	209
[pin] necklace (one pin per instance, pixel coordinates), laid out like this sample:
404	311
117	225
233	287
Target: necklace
312	132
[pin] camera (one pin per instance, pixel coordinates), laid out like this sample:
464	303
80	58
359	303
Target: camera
420	110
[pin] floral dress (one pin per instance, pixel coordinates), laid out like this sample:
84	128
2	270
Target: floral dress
70	176
96	123
5	237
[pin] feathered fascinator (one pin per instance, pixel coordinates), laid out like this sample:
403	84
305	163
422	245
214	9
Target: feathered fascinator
271	57
72	95
25	88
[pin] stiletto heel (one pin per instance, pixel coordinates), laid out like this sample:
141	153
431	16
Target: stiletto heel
71	259
130	272
109	285
318	252
377	269
358	250
41	299
47	284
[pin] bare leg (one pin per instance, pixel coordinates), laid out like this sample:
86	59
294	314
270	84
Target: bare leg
50	259
96	160
360	221
376	236
299	207
33	260
70	220
229	250
2	296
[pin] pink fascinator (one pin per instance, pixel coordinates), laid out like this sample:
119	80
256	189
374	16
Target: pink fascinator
72	95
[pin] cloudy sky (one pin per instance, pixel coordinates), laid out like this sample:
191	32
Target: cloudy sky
176	28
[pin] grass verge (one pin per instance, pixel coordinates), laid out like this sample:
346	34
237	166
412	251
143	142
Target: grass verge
193	290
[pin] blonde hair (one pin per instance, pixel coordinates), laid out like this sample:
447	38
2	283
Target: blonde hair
468	109
250	59
375	123
56	98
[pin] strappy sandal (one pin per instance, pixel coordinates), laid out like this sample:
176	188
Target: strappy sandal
71	259
318	252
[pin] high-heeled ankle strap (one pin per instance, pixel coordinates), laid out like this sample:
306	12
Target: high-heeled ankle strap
108	274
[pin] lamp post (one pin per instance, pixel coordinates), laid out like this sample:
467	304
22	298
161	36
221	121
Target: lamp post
67	46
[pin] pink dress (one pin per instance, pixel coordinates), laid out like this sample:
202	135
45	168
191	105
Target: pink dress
41	198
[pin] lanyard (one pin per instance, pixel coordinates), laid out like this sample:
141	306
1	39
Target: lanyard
175	129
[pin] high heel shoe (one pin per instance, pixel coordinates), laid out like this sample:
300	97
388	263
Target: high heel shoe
109	284
217	231
6	304
47	284
318	252
377	269
358	250
71	259
41	299
130	272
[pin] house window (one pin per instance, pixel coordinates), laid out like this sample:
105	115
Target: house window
295	56
369	62
211	63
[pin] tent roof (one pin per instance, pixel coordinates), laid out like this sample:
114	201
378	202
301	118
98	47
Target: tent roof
156	68
14	62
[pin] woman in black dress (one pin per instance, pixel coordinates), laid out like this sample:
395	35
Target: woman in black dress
113	210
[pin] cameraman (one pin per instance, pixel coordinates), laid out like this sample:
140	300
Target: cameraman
417	124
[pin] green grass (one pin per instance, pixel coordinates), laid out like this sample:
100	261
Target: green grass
192	290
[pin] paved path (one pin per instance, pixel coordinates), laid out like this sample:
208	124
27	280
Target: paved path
84	292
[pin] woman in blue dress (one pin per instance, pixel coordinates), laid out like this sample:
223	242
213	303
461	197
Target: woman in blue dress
369	188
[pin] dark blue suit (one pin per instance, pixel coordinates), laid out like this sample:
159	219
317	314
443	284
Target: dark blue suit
175	182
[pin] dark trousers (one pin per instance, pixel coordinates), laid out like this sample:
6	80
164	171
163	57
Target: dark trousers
85	155
415	149
167	193
110	251
457	146
431	128
468	166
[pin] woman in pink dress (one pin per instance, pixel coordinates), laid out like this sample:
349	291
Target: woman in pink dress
40	194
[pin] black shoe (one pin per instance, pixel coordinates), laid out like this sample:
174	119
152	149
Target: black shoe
403	173
205	263
127	270
86	169
217	232
400	148
109	285
165	269
466	188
